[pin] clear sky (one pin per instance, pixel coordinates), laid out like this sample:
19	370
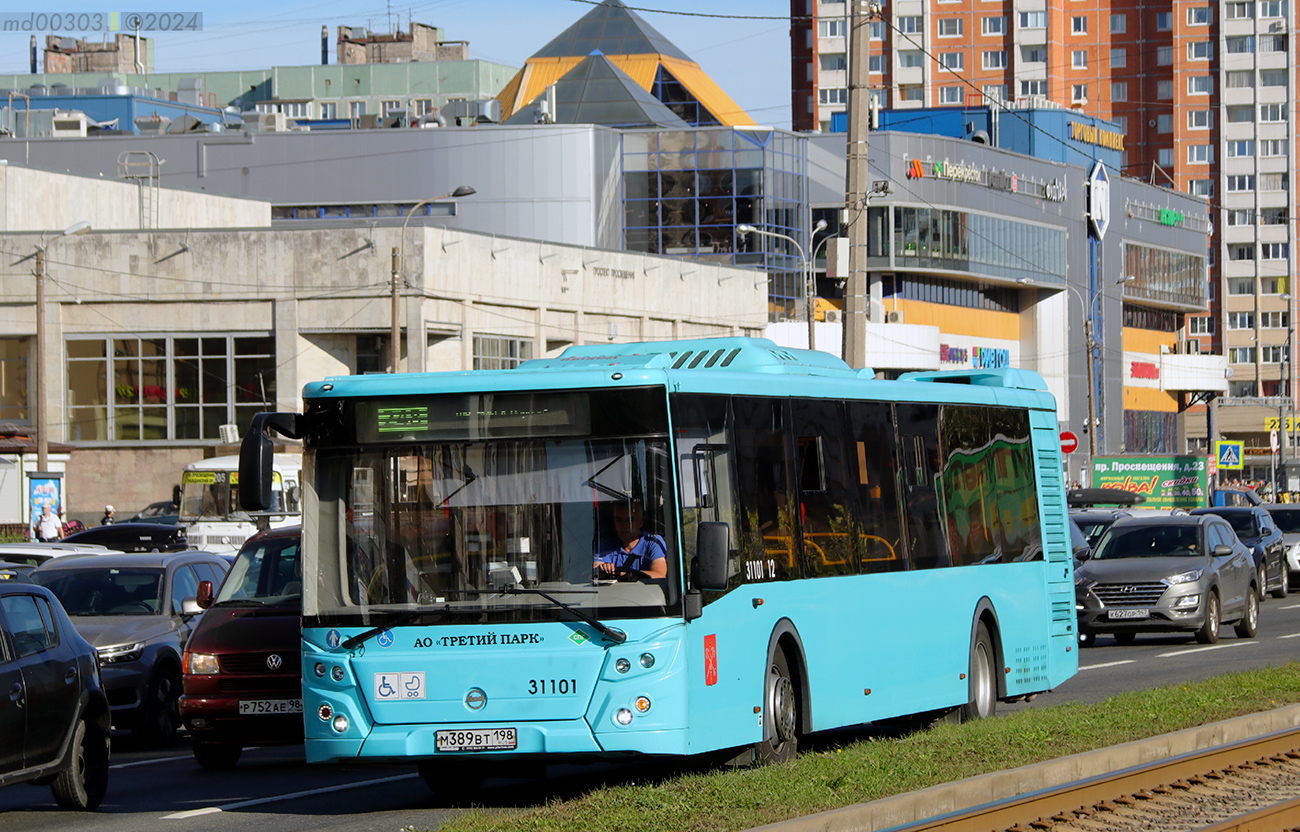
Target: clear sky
750	59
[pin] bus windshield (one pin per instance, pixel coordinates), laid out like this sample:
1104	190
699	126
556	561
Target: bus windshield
214	495
499	530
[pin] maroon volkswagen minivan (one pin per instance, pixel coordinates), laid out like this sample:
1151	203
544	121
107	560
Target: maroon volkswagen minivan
243	665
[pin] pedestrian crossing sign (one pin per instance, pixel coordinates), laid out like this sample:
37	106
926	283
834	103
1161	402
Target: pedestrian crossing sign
1229	454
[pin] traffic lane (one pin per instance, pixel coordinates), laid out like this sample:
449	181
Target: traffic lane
1158	659
159	789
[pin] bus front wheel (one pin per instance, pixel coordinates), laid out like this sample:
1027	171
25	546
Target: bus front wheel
983	687
780	712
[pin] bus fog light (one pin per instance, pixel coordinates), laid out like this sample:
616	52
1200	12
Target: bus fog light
623	717
336	673
642	704
320	669
647	660
340	723
325	712
622	665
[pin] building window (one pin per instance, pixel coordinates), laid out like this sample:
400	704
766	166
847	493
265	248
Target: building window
833	61
1200	50
1238	80
1164	89
951	95
912	24
1200	119
1079	59
1079	25
1198	16
831	28
1033	20
1242	147
1240	182
1241	355
950	27
1164	55
1275	354
356	109
1273	251
1272	147
1272	77
1272	112
1118	24
499	352
911	58
1273	320
329	110
995	59
1241	285
1241	251
1200	326
1201	187
1239	44
993	25
996	93
13	379
1272	181
1200	154
1033	54
1272	43
1238	11
1118	57
911	92
1165	157
1272	8
1079	93
1240	113
952	60
1240	216
876	64
834	95
1200	85
877	29
1273	216
1270	286
1038	87
1164	21
166	387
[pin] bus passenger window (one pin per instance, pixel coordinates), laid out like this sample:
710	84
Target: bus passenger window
877	525
764	461
826	498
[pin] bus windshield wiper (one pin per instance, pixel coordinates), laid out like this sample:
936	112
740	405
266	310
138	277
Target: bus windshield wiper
405	618
614	635
240	602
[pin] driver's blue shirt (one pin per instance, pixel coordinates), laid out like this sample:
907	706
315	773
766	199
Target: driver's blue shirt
648	549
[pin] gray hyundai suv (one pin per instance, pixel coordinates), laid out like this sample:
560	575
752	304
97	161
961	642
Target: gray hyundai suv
129	606
1186	573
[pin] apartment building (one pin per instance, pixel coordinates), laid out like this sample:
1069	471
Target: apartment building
1200	92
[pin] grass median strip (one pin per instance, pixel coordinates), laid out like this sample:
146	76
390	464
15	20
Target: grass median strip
868	769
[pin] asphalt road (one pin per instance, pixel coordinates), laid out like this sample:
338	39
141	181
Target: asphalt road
274	789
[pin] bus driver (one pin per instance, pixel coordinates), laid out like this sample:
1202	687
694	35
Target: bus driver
644	553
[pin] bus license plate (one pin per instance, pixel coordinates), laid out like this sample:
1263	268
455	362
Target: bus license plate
477	739
1129	614
270	706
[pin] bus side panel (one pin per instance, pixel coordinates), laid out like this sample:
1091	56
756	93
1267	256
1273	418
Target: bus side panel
1063	658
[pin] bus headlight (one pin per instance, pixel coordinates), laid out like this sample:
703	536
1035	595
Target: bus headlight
647	660
622	665
340	723
336	673
623	716
320	670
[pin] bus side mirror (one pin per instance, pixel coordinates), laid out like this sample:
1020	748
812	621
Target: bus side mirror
176	495
712	545
204	598
256	455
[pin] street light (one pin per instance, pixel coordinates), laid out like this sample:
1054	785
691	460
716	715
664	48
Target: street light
1092	345
806	272
42	407
399	266
1283	399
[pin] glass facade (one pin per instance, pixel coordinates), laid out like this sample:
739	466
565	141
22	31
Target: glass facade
685	191
936	238
165	387
1165	276
13	379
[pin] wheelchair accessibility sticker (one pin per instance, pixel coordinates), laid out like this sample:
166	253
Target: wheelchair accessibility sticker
399	686
385	639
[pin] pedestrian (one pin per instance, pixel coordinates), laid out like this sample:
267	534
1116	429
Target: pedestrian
48	527
107	519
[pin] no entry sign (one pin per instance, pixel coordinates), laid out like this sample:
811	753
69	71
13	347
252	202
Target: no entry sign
1069	442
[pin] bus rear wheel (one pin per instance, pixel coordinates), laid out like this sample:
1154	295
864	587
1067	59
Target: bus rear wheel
983	686
780	713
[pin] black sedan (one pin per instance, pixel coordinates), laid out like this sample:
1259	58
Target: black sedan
1256	528
54	718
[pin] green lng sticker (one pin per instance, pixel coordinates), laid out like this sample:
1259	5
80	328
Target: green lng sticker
579	637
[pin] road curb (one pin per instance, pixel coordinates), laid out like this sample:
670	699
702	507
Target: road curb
986	788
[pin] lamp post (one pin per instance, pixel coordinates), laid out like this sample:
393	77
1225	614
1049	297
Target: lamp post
806	273
1283	400
399	266
42	406
1092	345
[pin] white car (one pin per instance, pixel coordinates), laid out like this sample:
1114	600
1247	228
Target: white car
1287	517
34	554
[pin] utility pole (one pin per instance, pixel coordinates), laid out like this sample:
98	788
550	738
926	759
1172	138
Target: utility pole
1092	394
42	416
396	334
856	289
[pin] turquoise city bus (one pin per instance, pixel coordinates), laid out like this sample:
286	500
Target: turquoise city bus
836	549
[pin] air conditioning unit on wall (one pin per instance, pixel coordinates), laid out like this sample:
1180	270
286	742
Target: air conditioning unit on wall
834	316
894	317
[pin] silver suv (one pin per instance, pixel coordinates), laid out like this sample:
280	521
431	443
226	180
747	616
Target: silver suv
1185	573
